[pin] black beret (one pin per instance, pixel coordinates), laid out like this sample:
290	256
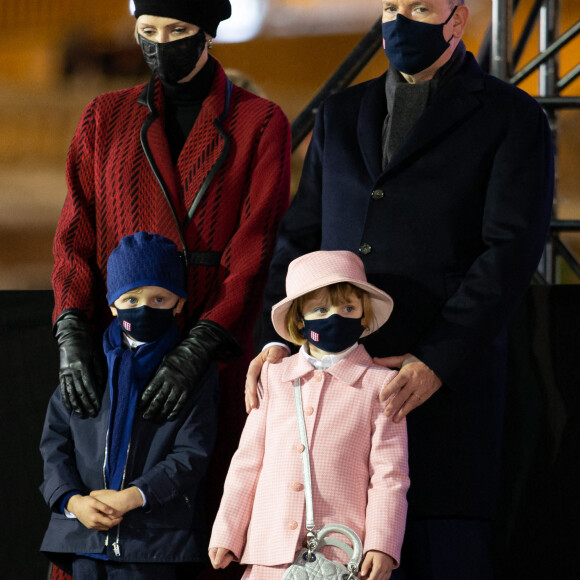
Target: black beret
206	14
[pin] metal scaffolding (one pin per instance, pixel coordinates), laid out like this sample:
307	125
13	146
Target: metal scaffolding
504	57
500	56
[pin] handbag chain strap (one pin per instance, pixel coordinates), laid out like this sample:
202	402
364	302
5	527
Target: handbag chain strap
311	539
311	536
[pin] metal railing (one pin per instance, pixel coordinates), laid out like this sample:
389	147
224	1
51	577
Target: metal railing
500	58
350	67
504	59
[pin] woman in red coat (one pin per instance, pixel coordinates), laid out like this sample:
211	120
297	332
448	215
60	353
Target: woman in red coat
193	158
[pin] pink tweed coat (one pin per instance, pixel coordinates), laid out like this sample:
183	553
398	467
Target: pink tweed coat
358	463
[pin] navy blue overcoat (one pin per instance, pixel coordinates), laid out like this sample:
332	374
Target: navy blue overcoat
167	461
453	229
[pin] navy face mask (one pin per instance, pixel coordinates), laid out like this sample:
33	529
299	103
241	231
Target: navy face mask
173	61
145	324
333	334
412	46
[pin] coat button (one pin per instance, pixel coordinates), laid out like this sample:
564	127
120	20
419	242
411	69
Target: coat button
308	411
300	448
365	249
317	376
297	486
378	194
292	525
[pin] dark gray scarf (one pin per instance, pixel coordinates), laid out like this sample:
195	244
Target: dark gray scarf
406	102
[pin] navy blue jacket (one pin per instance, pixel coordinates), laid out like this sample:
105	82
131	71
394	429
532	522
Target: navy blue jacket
453	229
167	461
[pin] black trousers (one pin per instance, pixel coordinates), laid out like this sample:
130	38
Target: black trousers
450	549
85	568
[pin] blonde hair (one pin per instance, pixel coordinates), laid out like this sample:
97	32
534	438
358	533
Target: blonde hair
338	294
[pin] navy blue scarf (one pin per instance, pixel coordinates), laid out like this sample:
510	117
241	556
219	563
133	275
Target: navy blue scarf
129	372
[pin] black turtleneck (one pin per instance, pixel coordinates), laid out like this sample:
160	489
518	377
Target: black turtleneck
182	106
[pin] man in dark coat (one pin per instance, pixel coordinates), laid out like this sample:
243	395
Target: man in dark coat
440	178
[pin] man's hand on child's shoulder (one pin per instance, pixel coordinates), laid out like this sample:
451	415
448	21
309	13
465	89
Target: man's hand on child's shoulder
92	513
414	385
273	354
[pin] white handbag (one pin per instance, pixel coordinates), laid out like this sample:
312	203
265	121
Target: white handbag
310	564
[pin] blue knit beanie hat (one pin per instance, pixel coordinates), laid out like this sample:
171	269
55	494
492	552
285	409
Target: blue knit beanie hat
144	259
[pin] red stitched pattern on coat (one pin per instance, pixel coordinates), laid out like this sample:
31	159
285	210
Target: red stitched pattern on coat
112	192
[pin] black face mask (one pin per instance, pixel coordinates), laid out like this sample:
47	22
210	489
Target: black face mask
173	61
333	334
412	46
145	324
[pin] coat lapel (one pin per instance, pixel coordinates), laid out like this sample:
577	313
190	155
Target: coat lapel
206	146
202	155
453	103
351	368
294	368
373	110
348	370
156	148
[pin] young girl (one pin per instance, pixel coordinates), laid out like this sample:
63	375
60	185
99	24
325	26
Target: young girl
358	457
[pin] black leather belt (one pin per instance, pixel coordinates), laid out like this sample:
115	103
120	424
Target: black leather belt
201	258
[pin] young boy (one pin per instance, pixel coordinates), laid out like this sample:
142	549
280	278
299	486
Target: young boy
126	493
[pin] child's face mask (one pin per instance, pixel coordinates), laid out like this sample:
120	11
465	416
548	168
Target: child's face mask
333	334
145	324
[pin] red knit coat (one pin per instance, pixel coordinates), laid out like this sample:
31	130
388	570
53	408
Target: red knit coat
113	192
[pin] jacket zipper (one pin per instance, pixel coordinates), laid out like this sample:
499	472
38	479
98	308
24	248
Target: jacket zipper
116	545
105	476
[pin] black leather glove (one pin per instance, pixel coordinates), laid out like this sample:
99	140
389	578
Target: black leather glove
81	371
182	368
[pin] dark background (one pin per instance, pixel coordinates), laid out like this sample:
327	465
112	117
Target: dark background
538	532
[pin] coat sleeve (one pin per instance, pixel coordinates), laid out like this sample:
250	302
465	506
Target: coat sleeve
514	229
57	449
74	246
185	466
245	259
233	518
389	481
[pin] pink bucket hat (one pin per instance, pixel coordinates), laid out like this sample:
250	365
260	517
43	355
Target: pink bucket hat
318	269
